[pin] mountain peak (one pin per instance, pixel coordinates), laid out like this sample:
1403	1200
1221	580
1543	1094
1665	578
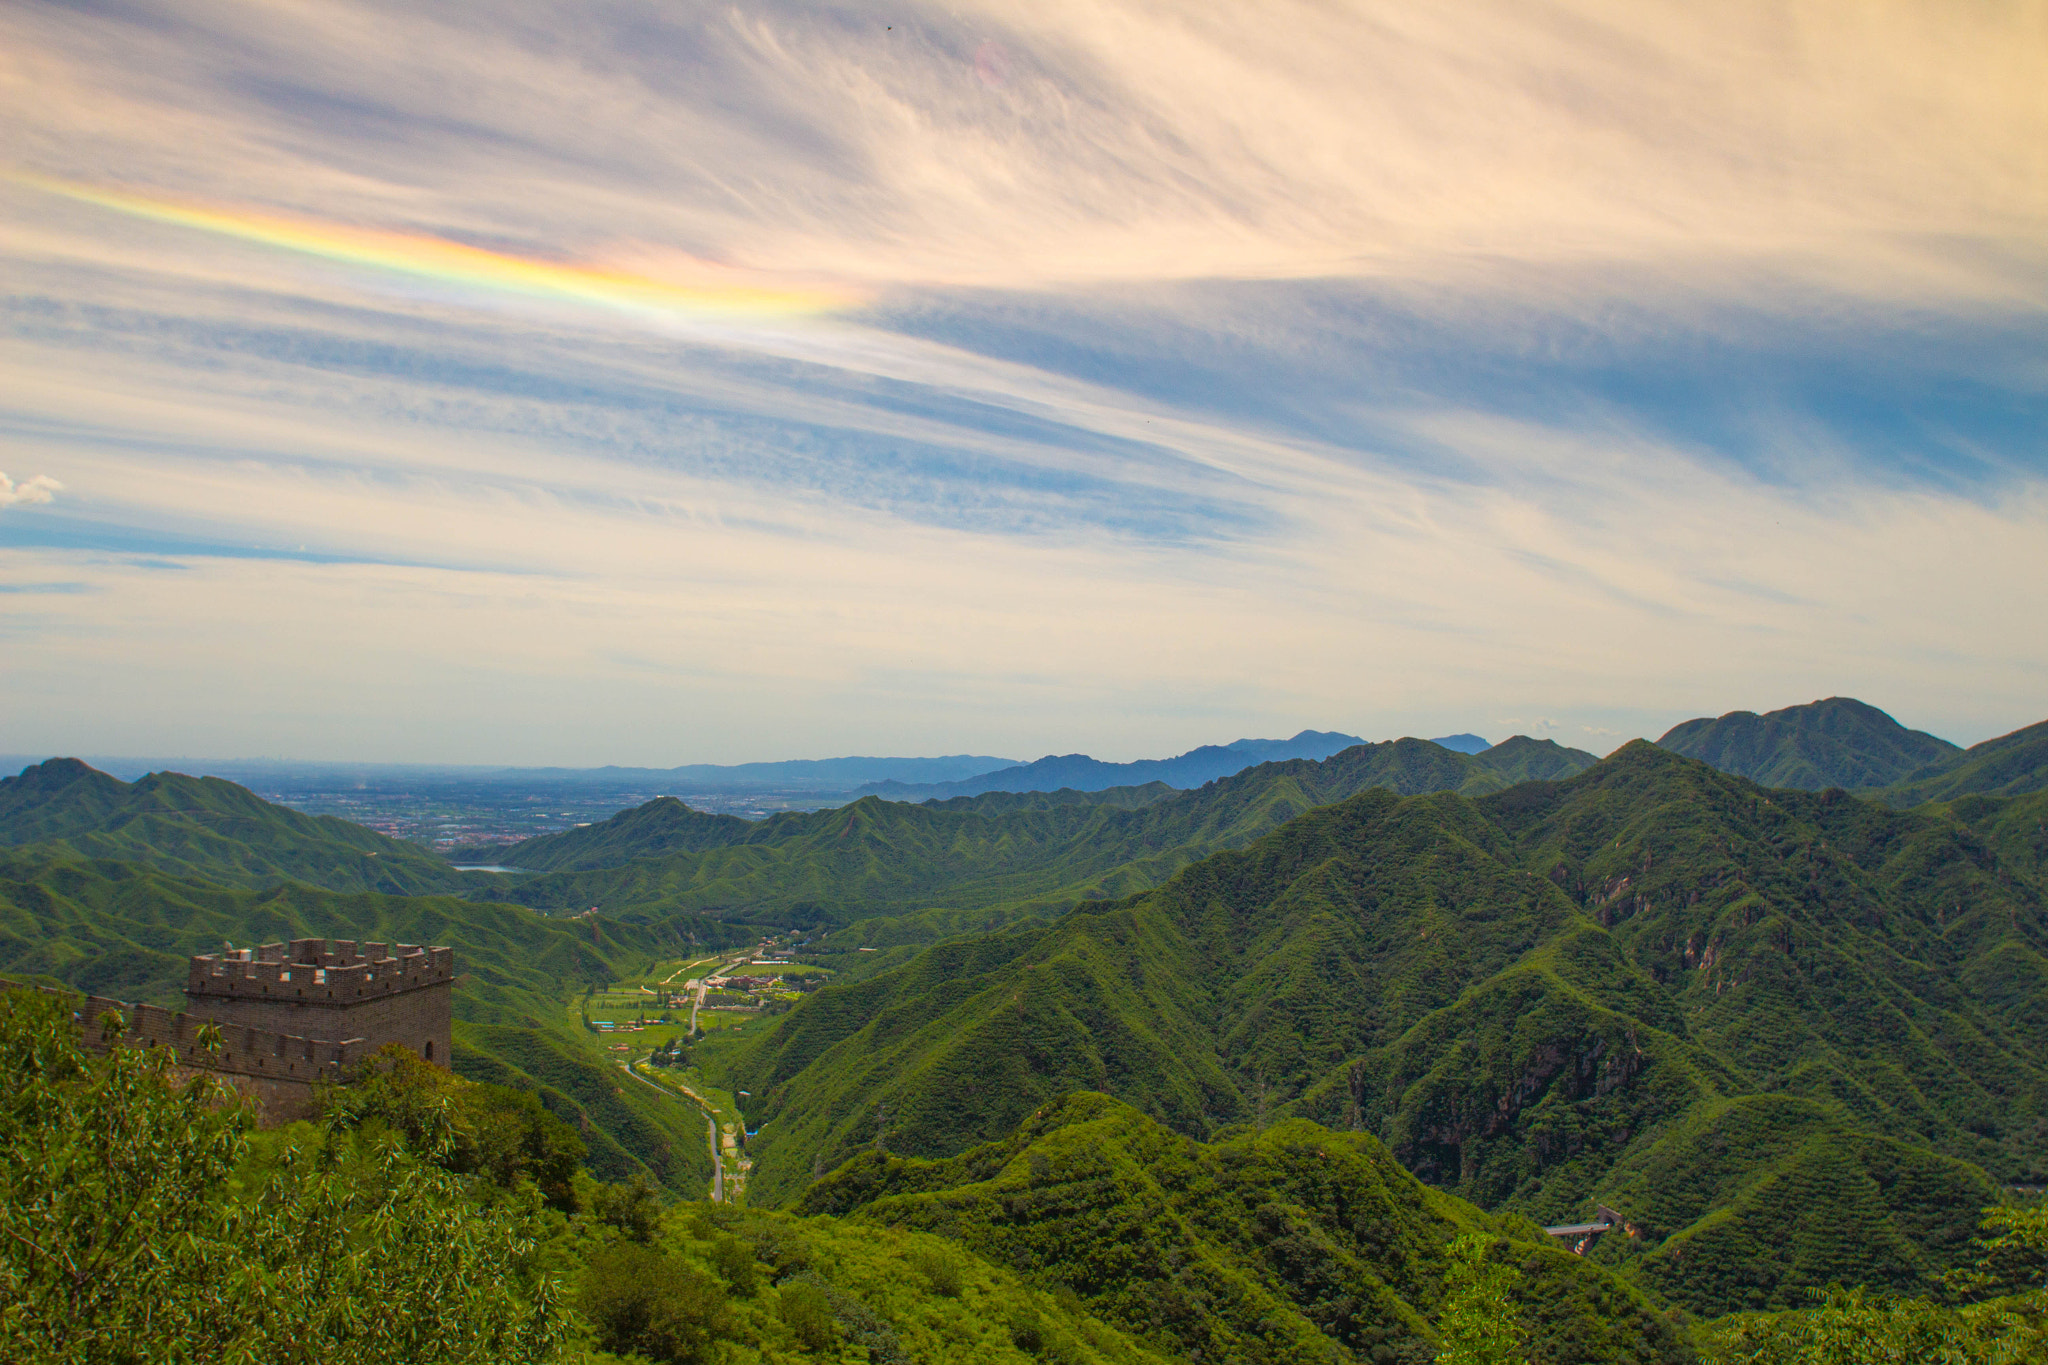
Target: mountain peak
1832	742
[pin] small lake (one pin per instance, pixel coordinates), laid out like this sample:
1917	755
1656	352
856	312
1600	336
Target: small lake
489	867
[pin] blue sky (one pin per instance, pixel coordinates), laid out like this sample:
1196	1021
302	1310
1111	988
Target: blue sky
1121	377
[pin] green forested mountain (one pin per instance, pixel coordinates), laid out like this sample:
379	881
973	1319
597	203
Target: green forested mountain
208	828
1264	1247
2011	765
885	858
663	826
1837	742
1786	1035
126	930
1791	1037
1522	759
2017	827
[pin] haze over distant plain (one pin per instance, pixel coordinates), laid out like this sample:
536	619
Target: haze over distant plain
658	383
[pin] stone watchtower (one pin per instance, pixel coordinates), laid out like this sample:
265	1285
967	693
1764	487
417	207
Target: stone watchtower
307	991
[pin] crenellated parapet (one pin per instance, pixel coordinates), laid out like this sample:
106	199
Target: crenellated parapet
243	1051
313	971
316	988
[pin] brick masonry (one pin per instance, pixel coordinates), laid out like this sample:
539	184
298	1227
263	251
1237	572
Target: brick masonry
293	1016
314	989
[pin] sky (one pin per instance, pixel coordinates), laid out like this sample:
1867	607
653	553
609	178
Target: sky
652	382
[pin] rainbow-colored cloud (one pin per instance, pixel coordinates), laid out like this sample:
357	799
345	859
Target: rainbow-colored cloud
451	262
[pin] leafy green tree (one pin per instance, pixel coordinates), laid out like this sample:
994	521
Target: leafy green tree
640	1300
2002	1319
1477	1319
468	1127
808	1314
633	1208
734	1261
132	1230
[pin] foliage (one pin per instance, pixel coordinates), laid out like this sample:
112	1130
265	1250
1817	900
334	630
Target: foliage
1790	1036
808	1314
633	1209
2003	1322
208	828
640	1300
504	1135
1839	742
123	1236
1477	1320
1277	1246
755	1287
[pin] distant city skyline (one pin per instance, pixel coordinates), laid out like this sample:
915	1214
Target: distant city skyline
649	384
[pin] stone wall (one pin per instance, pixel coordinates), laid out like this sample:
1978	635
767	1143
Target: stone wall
276	1070
311	989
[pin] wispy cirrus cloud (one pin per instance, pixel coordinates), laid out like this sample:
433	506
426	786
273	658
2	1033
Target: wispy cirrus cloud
1132	370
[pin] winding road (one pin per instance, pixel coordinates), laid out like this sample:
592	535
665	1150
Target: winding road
719	1141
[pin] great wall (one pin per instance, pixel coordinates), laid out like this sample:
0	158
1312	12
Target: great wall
291	1016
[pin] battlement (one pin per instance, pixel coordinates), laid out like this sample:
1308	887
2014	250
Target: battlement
315	972
244	1051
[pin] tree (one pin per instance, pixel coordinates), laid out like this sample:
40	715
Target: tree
640	1300
133	1227
506	1135
2001	1317
1477	1319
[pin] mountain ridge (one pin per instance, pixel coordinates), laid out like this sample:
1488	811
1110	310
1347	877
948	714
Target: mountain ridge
1079	772
876	857
2015	764
1833	742
1540	998
209	828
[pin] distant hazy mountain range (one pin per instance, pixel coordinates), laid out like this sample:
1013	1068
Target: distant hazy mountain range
1079	772
801	774
898	778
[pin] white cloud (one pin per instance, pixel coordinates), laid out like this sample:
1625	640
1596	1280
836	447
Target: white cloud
1110	496
39	488
1885	147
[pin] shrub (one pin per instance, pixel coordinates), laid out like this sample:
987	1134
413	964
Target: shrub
133	1227
807	1313
634	1209
640	1300
941	1273
734	1261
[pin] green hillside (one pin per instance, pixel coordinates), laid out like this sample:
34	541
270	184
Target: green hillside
663	826
1837	742
1522	759
1530	997
875	857
2011	765
1267	1246
208	828
124	930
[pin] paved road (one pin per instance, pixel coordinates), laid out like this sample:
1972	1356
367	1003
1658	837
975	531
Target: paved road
717	1163
697	987
710	1122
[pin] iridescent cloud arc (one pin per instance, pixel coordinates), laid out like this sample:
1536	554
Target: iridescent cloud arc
457	263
